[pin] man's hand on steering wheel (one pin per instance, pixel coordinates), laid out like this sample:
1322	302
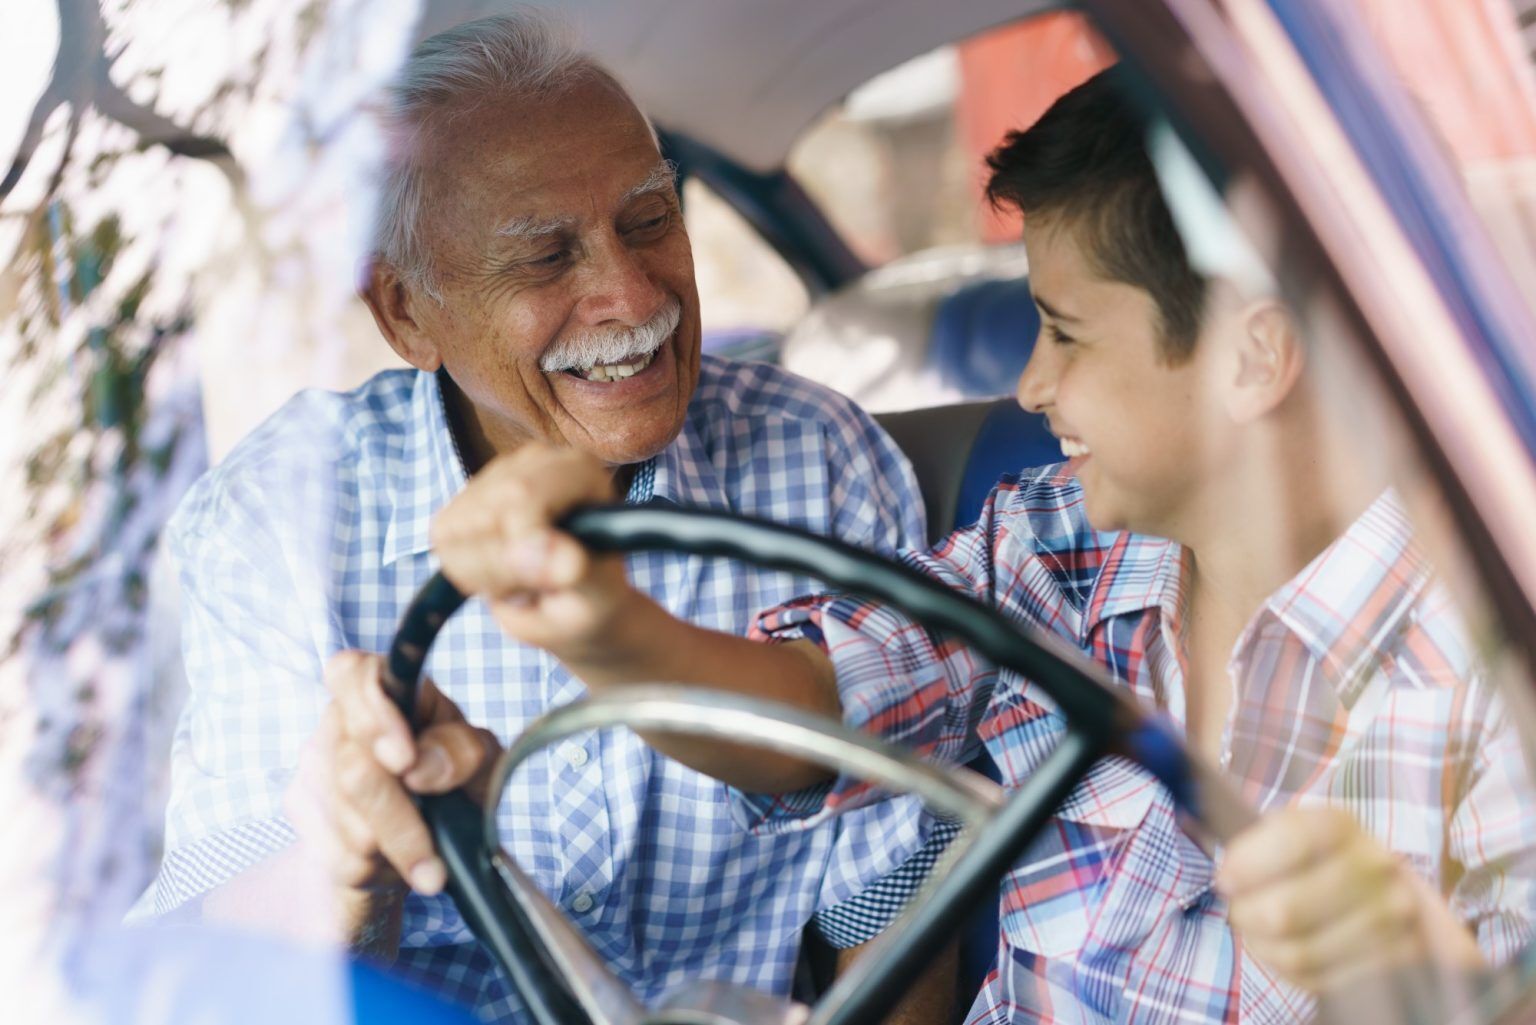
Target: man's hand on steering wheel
497	539
350	801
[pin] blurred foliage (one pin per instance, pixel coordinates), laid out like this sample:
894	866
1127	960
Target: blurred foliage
105	214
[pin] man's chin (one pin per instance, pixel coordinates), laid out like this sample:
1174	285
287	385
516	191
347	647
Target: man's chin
633	451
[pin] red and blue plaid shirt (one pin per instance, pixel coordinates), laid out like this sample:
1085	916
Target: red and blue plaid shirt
1354	688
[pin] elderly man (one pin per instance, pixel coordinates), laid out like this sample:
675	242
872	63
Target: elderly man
532	266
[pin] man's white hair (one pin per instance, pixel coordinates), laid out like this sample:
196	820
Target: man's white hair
516	56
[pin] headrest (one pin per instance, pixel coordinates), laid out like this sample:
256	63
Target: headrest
982	336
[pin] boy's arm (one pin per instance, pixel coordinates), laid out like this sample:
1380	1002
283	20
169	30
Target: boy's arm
497	540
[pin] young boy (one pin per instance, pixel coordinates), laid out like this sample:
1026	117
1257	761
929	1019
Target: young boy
1208	541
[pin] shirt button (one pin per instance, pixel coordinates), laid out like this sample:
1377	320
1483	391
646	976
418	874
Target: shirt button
581	903
577	756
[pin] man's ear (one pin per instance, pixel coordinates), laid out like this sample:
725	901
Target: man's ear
1270	358
394	304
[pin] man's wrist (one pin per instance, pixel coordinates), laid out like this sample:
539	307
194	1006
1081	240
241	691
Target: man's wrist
631	648
371	921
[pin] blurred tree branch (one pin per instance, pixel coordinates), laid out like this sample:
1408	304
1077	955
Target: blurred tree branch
81	78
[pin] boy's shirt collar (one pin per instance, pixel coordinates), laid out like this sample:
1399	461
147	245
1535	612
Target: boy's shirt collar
1354	597
1139	573
1344	606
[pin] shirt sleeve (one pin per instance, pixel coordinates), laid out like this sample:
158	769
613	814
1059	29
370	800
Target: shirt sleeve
895	679
253	651
863	917
1492	838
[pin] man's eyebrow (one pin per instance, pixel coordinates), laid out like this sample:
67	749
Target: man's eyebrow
529	226
662	178
1055	314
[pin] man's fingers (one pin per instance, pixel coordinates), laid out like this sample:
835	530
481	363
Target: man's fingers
368	716
433	706
382	802
1357	938
452	754
506	565
496	538
1281	844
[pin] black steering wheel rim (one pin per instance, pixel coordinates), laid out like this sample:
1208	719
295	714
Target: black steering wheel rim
1102	719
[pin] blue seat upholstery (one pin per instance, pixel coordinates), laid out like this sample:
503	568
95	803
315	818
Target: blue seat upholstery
982	335
1009	439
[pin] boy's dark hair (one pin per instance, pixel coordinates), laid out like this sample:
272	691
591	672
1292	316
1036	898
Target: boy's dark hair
1086	161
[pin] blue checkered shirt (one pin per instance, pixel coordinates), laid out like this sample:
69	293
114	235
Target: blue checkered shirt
311	538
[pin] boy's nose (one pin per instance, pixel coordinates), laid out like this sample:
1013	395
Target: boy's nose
1037	384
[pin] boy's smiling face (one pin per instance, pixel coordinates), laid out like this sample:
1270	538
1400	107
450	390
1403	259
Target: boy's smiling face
1137	429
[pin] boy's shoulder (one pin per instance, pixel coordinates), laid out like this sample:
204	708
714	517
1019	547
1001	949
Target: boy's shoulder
1040	520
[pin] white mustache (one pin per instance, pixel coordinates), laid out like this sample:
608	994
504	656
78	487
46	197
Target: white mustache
585	349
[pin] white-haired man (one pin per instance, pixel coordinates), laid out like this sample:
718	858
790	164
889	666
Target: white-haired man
532	266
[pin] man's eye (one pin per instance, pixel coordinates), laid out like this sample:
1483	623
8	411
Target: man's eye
546	262
650	227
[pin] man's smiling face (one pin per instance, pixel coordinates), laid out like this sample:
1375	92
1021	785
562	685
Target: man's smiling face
554	231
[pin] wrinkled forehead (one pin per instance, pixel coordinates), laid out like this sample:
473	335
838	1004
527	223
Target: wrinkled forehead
566	154
521	226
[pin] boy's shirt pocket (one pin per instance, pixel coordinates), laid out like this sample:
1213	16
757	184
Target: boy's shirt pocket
1052	899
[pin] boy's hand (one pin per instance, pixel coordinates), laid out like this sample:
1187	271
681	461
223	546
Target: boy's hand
497	539
1322	903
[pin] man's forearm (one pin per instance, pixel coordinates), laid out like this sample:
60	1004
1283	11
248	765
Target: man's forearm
931	999
651	646
287	895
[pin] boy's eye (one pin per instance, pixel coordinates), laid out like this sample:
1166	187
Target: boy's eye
1058	336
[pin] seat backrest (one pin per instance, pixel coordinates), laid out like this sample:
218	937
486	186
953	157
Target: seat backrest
942	325
960	451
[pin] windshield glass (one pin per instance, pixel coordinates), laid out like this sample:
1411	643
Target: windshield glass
1263	424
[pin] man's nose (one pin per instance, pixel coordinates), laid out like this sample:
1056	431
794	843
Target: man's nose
1037	384
619	286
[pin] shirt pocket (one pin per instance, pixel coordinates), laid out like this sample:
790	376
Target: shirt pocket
1052	898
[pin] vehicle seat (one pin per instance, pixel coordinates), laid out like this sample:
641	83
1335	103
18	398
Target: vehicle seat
940	326
958	453
982	336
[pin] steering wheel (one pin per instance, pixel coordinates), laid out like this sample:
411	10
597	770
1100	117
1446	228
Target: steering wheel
562	982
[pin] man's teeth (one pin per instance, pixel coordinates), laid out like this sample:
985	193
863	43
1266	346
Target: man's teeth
1071	448
615	371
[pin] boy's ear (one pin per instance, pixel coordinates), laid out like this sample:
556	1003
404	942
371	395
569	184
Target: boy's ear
393	304
1269	361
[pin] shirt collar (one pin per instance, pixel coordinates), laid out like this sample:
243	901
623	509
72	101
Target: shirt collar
1138	573
1345	606
685	473
1353	598
431	472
